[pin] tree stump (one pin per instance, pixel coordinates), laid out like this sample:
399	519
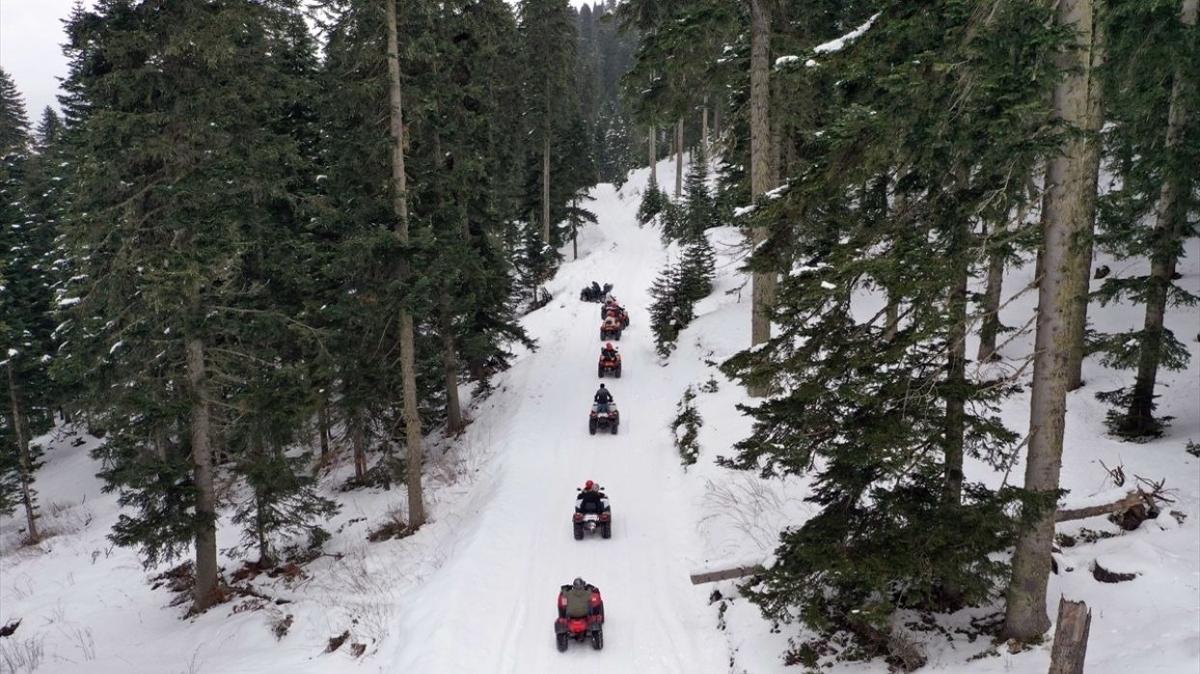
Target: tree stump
1070	637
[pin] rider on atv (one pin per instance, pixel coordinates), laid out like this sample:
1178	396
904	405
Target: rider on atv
602	397
592	512
580	599
611	328
580	615
613	309
610	361
609	352
591	499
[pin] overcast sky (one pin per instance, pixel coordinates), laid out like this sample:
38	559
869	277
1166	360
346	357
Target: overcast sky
31	37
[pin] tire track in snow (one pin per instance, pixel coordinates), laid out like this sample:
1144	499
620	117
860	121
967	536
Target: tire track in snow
493	603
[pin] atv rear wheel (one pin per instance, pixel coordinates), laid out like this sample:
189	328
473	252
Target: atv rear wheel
614	428
579	532
561	642
600	371
606	530
618	372
598	640
592	426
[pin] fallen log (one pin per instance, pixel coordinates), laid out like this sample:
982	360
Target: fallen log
1130	500
726	574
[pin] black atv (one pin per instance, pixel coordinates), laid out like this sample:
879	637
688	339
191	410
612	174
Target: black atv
590	518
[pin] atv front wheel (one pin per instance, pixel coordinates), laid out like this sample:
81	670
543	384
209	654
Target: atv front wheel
600	371
561	641
618	372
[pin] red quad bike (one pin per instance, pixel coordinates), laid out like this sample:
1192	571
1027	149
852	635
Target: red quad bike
604	417
589	627
615	311
610	329
609	366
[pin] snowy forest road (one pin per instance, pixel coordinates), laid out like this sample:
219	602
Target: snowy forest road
491	606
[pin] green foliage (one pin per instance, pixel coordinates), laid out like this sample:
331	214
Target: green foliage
670	309
27	275
653	202
700	209
1151	65
191	143
283	501
697	268
686	428
882	423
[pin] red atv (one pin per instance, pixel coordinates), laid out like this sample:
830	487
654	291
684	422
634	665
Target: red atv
587	627
610	329
609	365
604	417
616	311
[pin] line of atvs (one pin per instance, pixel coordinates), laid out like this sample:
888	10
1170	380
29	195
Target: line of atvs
580	607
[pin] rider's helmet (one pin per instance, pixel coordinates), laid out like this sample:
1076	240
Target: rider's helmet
602	385
589	485
608	346
578	584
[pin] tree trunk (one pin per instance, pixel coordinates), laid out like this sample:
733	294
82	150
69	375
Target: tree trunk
990	329
1091	148
761	177
24	461
358	439
956	377
546	187
204	593
454	418
716	132
653	155
891	324
704	123
1070	637
678	159
260	522
323	424
414	453
1169	224
574	228
1064	218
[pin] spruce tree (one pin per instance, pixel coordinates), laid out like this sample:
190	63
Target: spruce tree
548	42
207	234
700	208
884	419
26	323
670	308
1153	140
697	268
653	202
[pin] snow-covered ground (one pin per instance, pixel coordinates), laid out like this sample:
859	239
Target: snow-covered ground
474	590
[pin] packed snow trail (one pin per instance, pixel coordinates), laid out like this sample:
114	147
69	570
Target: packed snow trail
491	607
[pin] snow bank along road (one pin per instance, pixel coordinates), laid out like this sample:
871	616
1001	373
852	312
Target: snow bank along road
491	607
